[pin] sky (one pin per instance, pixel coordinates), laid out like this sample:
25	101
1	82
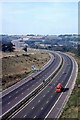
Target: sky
42	18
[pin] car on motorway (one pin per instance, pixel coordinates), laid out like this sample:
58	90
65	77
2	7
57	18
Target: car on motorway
59	88
33	78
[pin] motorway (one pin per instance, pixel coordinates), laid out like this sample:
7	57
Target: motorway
43	104
15	96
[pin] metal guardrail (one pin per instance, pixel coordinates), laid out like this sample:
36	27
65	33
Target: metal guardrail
8	115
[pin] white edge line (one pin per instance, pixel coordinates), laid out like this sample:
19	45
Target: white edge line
68	95
36	87
15	85
38	93
61	93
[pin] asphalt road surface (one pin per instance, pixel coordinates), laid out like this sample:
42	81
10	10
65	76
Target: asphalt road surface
42	103
11	99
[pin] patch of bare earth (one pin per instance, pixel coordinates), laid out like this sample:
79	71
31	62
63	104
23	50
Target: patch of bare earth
18	66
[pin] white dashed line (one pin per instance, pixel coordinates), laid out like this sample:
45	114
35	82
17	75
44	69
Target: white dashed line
22	93
51	96
47	102
8	103
38	101
24	116
34	116
43	95
16	91
9	96
42	108
15	97
32	108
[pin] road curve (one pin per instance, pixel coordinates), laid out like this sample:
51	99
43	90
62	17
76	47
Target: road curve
15	96
58	108
26	79
47	104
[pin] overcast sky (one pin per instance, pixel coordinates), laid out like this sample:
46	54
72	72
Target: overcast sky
39	18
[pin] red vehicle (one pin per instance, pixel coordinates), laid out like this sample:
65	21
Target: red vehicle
59	88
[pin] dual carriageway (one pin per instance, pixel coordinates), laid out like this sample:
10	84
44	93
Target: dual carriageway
33	98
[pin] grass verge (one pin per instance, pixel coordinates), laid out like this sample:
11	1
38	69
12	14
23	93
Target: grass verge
19	66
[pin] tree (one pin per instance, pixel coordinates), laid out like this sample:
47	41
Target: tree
25	48
8	47
4	47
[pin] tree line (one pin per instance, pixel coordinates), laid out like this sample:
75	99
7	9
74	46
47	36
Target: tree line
8	47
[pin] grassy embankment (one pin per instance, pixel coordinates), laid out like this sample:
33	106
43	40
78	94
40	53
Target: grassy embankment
72	108
17	65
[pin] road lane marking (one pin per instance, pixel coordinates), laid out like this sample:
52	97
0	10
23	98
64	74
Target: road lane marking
38	101
42	108
60	95
15	97
48	63
16	91
47	85
34	116
67	97
47	102
43	95
8	103
32	108
9	96
24	116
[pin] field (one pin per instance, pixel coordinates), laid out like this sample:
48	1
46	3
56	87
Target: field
72	108
17	65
